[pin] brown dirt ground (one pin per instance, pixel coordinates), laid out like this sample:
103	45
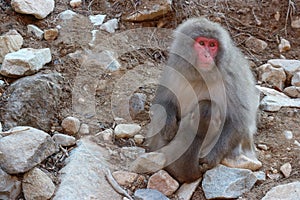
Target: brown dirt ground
237	16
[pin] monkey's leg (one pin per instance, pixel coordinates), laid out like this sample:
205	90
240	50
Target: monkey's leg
186	168
243	156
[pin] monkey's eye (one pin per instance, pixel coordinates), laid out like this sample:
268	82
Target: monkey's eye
201	43
212	44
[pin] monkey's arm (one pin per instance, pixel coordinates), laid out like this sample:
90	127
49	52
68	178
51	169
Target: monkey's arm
165	119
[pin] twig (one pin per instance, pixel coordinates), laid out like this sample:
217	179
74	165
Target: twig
12	132
288	13
115	185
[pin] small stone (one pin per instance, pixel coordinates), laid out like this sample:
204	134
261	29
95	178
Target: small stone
288	135
139	139
149	162
296	79
256	44
260	175
84	129
163	182
71	125
107	135
126	130
97	19
137	104
64	140
286	169
125	178
36	184
36	31
296	23
149	194
150	11
292	91
277	16
67	14
110	26
50	34
186	190
10	42
284	45
75	3
297	143
263	147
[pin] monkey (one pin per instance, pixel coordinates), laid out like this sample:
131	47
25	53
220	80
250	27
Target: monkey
205	71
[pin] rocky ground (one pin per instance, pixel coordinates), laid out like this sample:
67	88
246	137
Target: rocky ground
104	75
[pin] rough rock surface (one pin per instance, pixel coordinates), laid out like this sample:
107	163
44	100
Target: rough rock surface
31	101
83	177
24	148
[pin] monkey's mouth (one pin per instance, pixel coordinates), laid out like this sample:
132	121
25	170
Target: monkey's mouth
205	66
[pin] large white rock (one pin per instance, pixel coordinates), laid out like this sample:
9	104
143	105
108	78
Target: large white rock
24	148
274	100
24	62
10	42
287	191
39	8
83	176
290	66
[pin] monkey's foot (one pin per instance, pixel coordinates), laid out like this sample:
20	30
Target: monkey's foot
242	161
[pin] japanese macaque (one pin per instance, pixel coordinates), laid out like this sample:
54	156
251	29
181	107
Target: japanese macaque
204	111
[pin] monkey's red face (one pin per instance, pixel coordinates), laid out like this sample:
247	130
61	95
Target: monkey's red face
206	50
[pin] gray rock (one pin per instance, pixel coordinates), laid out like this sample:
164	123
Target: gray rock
296	79
225	182
83	176
272	75
288	134
36	31
150	11
71	125
289	66
108	60
290	191
255	44
286	169
67	14
125	178
64	140
32	101
137	104
33	146
186	191
110	26
97	19
292	91
10	42
84	129
149	194
40	8
274	100
126	130
37	184
260	175
10	186
149	162
25	62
